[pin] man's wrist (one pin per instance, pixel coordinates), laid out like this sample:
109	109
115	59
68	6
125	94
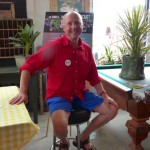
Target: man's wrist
102	92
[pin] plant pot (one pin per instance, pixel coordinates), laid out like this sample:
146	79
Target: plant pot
132	68
19	60
109	63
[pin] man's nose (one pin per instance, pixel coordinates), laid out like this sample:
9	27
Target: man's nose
74	25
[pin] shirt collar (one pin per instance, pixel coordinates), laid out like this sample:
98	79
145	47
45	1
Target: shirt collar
66	42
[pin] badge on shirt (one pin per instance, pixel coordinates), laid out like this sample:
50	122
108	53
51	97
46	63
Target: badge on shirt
67	62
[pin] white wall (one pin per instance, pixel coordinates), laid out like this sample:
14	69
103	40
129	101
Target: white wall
36	10
147	57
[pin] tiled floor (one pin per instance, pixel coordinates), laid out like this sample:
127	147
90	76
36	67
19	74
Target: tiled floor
112	136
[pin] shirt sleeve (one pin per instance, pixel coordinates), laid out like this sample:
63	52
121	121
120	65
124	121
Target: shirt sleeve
40	60
93	76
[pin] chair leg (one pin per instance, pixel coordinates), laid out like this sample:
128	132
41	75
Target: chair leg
70	131
53	146
54	142
47	125
78	136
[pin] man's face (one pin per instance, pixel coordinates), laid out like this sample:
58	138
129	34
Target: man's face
72	27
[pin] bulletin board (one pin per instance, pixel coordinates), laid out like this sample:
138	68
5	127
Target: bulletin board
53	26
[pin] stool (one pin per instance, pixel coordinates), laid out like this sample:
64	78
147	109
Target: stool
77	117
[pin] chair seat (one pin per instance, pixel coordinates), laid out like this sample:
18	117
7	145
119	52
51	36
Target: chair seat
79	116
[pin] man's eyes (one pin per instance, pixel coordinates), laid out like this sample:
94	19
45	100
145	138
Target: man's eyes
75	23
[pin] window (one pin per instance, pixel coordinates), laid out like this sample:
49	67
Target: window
105	32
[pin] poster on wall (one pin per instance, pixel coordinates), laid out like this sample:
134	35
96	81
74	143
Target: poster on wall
53	26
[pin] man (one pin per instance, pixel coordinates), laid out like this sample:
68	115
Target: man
69	63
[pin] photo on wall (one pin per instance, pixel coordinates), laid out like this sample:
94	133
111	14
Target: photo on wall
71	5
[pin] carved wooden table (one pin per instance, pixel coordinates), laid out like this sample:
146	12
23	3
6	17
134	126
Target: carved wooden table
137	106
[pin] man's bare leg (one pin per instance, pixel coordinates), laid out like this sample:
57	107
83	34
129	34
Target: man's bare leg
60	124
104	116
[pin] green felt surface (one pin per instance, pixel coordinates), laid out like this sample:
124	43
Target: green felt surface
106	74
113	66
113	74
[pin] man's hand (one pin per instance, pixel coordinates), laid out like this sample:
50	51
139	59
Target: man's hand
18	99
109	101
22	97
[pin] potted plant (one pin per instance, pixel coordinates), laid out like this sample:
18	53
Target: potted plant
25	39
134	27
107	59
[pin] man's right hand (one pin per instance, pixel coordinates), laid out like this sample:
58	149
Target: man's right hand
22	97
18	99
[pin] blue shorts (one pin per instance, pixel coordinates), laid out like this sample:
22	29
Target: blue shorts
89	102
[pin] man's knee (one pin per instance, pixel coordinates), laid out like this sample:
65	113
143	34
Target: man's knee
60	128
113	112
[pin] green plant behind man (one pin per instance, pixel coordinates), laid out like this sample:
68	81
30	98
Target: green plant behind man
25	38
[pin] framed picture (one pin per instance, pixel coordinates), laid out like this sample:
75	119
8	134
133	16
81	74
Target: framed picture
71	5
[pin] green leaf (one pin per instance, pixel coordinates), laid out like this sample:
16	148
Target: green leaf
134	27
24	38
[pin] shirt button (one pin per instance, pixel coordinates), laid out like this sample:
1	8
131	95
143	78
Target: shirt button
73	51
76	71
76	61
75	81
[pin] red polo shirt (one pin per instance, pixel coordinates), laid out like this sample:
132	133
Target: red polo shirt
67	67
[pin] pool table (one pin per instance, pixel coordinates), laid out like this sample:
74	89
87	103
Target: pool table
135	101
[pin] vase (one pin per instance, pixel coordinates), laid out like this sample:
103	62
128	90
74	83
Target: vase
19	60
132	68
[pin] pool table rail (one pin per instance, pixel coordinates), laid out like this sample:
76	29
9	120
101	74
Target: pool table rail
124	93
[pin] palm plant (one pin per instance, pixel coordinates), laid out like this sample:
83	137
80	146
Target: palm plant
109	54
122	50
25	38
134	27
108	57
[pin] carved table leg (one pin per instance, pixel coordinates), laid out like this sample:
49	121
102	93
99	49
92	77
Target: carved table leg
138	131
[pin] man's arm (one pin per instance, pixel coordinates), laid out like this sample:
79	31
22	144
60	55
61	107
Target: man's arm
101	92
100	89
22	97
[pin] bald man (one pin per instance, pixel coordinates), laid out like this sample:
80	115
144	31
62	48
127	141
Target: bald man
69	63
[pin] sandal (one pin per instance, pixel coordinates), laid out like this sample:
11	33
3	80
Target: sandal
83	143
64	146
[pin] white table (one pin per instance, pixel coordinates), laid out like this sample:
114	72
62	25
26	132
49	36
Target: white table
16	126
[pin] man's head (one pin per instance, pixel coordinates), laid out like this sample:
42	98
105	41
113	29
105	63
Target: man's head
72	25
